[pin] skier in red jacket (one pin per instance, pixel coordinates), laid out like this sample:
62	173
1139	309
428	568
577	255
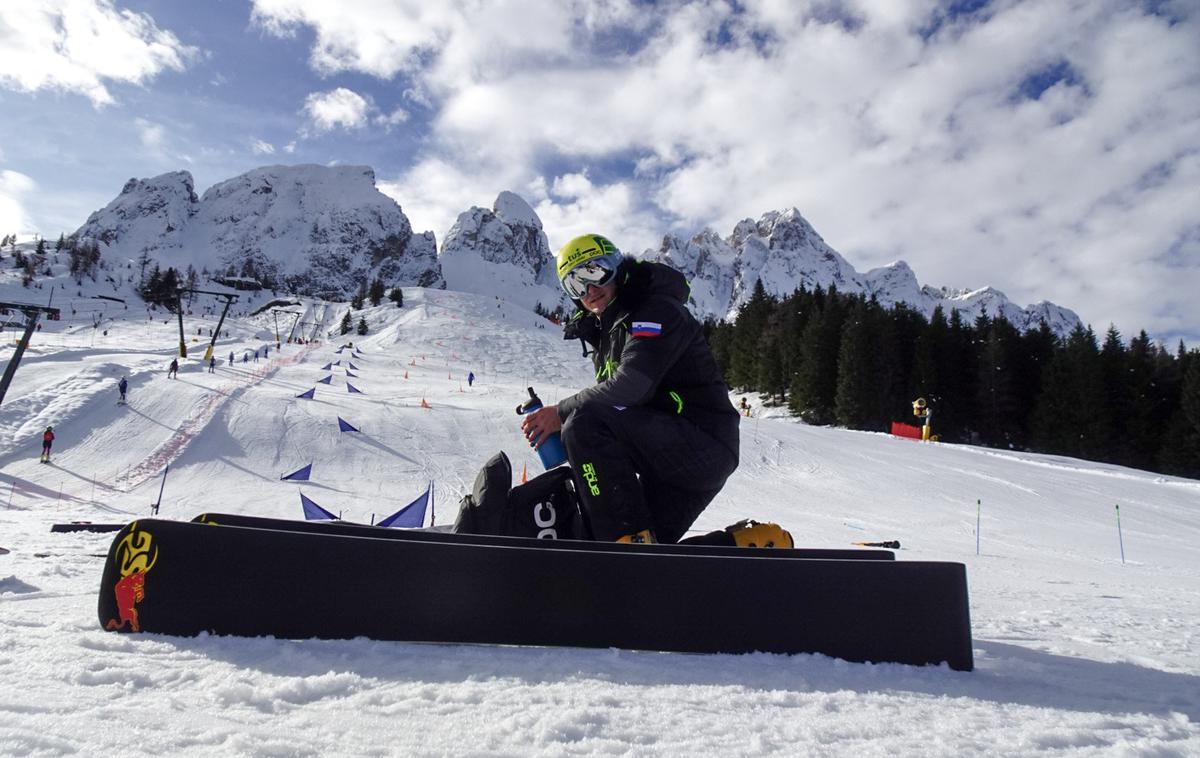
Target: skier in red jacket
47	440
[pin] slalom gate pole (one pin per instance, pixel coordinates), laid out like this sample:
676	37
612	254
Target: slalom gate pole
1120	537
154	506
978	509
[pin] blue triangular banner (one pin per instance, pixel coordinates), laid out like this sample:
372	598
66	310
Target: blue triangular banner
326	380
336	363
345	426
411	515
339	350
300	475
351	363
308	395
352	389
327	366
352	376
314	512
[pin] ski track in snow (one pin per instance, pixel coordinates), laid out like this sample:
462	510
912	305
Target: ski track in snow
1076	652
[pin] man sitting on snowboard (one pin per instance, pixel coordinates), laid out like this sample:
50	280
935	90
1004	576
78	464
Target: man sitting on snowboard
652	443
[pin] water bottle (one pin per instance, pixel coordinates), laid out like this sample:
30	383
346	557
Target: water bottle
551	451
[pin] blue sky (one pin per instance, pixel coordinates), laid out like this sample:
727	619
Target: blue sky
1050	149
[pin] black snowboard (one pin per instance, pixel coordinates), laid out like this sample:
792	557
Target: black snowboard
347	528
186	578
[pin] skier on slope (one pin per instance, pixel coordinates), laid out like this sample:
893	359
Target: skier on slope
122	387
653	442
173	369
47	441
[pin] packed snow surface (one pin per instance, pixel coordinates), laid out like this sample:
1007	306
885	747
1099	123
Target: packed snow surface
1078	651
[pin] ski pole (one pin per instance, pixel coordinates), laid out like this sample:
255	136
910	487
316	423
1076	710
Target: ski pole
1120	537
889	544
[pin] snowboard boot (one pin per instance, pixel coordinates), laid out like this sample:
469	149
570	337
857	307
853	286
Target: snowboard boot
750	533
644	537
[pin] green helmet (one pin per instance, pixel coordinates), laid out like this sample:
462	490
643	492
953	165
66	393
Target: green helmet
599	252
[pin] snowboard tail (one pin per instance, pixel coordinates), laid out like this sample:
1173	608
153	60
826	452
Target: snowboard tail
186	578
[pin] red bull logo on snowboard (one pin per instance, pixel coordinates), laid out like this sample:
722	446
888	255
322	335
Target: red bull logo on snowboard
136	554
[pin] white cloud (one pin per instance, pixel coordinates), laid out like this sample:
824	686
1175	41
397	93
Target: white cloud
900	129
339	108
261	147
81	46
388	120
152	135
14	186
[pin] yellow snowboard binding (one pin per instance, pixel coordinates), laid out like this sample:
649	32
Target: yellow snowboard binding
644	537
750	533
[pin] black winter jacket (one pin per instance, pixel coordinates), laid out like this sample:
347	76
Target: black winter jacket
648	349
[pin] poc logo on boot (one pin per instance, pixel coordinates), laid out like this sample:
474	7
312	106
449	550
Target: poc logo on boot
545	517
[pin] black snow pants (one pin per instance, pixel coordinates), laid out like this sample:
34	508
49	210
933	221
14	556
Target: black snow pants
639	468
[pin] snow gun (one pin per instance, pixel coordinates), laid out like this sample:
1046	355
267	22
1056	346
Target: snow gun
551	451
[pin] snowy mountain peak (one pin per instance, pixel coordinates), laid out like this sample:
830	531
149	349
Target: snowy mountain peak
503	252
514	211
321	230
783	251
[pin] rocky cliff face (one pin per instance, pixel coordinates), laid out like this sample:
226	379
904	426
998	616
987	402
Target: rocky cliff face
504	252
784	252
316	230
324	231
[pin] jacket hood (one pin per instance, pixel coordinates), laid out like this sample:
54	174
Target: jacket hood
642	279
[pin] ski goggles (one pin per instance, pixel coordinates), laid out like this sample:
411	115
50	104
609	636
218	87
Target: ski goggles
594	273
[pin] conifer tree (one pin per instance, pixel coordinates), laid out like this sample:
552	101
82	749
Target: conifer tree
376	292
857	392
814	385
362	325
748	329
397	297
1145	413
346	325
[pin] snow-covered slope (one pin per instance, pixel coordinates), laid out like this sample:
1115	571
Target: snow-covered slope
1077	651
321	230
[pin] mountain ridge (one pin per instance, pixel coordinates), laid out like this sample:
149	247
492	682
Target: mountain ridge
326	230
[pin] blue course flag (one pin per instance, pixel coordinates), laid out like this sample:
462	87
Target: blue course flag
352	376
352	365
300	475
326	380
314	512
345	426
411	515
308	395
327	366
336	363
352	389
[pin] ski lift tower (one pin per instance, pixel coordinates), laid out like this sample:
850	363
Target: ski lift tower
32	313
275	312
229	298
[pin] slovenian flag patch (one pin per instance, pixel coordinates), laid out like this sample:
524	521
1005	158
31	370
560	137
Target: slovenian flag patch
645	329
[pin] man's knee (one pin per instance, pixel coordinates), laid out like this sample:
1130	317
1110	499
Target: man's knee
589	422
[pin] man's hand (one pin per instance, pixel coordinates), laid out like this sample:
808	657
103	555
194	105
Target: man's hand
540	424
